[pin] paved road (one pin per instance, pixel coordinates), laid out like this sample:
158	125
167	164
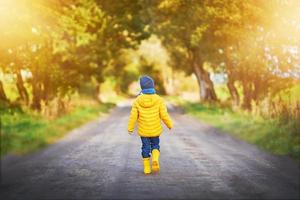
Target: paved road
101	161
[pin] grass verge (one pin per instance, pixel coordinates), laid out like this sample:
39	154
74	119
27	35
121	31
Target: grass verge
269	134
26	131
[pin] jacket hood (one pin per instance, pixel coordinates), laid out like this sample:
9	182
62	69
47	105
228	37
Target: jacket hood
147	100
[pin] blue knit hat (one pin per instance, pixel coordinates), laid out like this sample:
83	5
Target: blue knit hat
146	82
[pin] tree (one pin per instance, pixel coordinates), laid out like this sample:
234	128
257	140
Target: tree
183	25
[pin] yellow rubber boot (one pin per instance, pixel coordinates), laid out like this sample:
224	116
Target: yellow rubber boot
147	169
155	160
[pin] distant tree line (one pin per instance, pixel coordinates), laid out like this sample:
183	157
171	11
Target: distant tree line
62	44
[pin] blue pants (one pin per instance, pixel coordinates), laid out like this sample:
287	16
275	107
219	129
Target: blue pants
148	144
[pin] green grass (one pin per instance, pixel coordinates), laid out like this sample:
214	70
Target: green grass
269	134
26	131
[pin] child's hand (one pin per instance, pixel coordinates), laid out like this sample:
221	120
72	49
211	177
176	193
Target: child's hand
130	133
171	131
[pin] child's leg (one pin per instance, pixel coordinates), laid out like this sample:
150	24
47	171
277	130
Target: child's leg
146	149
154	141
155	153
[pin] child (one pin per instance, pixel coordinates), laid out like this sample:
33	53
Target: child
148	110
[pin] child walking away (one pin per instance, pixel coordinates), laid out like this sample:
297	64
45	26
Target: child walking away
148	110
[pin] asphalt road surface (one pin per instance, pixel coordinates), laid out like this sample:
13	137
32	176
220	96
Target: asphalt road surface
101	161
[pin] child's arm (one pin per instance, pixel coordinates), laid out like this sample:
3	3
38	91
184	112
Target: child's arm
133	117
163	112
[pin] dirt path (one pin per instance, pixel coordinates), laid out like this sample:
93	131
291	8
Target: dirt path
101	161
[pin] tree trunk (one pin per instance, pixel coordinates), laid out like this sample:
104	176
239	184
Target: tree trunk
37	95
247	96
21	89
46	91
207	91
235	98
98	92
117	88
3	96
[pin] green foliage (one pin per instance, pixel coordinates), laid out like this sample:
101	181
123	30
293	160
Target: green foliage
222	92
72	43
240	38
26	131
270	134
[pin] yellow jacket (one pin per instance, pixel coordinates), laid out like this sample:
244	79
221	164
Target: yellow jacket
148	110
